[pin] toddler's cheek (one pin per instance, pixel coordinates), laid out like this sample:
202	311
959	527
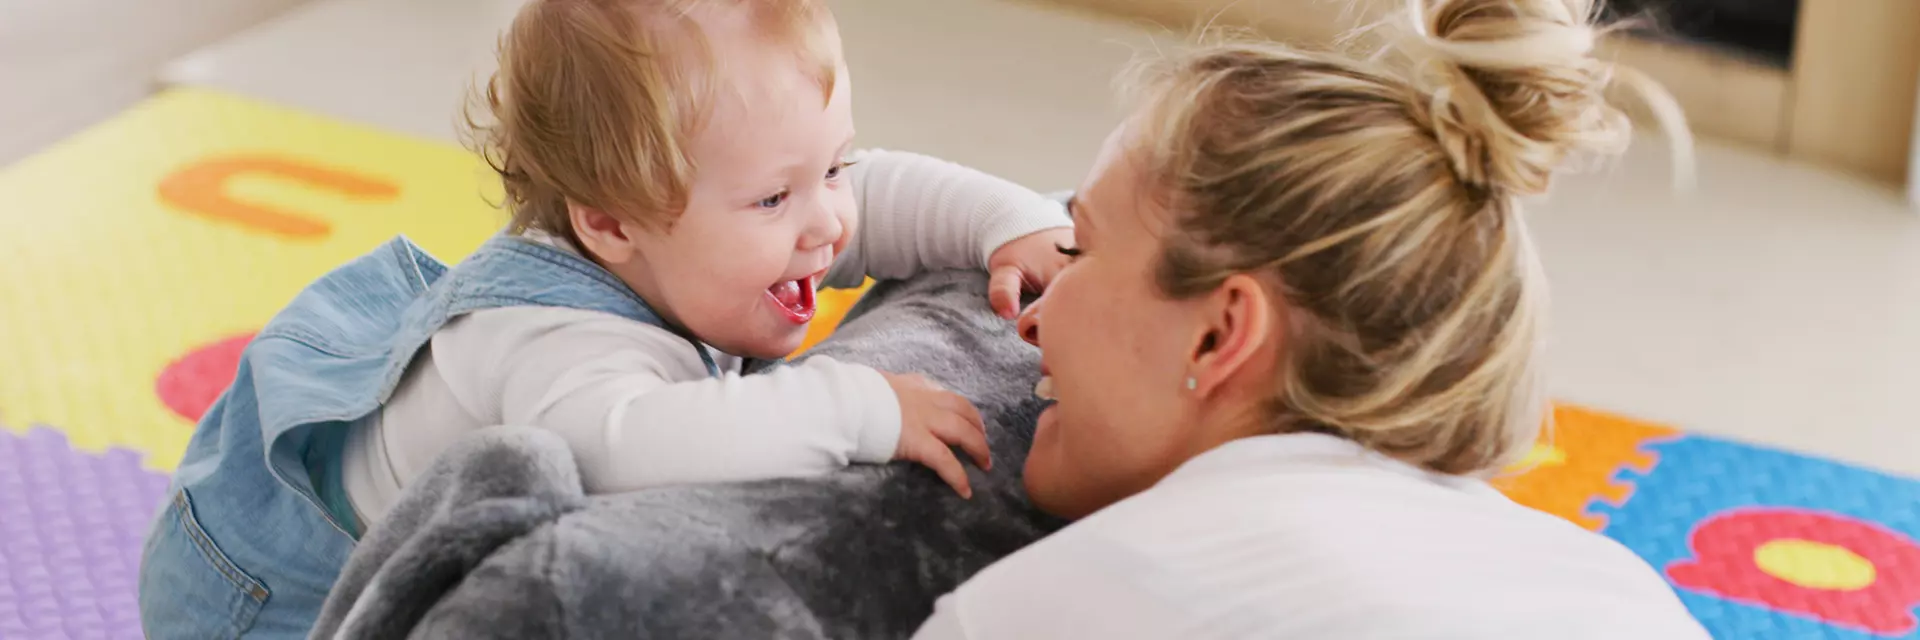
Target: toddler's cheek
847	223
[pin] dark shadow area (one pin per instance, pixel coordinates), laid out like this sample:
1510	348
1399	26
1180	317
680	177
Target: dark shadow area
1759	29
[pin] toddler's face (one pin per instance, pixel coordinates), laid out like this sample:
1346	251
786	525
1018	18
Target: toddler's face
768	209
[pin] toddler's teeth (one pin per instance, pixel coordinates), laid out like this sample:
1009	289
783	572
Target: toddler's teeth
1044	389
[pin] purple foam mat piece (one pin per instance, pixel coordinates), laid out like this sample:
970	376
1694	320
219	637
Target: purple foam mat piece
71	524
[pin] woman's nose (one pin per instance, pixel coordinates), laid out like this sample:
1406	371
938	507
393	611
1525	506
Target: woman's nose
1029	324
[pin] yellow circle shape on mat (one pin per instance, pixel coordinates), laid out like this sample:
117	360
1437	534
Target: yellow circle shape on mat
1815	565
1541	455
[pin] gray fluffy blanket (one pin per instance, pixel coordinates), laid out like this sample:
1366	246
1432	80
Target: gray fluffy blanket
497	541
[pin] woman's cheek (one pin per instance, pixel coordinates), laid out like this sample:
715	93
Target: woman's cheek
1071	470
1046	473
1046	440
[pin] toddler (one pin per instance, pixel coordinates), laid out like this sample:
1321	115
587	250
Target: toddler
681	181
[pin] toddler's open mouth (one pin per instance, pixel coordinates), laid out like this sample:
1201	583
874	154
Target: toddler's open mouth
794	299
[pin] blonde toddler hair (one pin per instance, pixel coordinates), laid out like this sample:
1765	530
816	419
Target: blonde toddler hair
595	100
1381	193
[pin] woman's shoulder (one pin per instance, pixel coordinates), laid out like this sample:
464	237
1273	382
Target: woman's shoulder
1332	546
1077	583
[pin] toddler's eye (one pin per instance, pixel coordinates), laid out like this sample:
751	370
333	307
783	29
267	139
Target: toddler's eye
1070	252
838	168
773	201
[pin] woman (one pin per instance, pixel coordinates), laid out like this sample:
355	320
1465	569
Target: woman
1303	320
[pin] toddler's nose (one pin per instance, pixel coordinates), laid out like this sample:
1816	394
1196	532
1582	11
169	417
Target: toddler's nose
825	229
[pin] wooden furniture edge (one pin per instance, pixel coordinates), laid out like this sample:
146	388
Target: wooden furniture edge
1856	69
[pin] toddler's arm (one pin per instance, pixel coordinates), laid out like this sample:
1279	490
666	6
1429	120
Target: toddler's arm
636	406
919	213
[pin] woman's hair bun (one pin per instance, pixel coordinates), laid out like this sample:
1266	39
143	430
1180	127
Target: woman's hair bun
1512	90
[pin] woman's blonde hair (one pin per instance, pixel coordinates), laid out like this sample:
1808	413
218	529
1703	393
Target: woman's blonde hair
1381	192
594	102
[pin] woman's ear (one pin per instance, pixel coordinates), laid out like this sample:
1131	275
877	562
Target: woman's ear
601	234
1237	331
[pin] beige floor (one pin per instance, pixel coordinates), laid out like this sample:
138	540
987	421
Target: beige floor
1775	303
65	64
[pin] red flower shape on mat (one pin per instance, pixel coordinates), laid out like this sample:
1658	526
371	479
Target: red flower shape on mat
1839	570
189	385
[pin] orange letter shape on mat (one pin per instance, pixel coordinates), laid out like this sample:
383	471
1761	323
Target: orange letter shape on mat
201	188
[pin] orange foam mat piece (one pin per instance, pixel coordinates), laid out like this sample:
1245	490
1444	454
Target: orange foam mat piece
1577	460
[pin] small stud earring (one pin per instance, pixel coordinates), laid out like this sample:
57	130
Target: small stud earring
1192	383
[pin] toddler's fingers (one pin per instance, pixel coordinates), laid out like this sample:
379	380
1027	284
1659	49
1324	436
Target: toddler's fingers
964	408
1003	291
981	454
971	438
936	456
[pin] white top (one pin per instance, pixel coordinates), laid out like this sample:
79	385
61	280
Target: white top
1309	536
636	403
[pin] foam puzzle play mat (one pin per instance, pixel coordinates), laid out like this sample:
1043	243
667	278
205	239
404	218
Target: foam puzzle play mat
142	254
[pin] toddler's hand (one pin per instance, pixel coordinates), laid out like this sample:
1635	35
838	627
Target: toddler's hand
1027	264
934	420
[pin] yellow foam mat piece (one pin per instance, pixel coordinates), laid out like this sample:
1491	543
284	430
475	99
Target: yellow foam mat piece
186	223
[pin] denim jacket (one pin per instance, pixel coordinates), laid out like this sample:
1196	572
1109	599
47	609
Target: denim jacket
245	547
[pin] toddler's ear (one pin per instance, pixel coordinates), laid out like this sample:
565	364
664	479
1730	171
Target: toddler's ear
601	234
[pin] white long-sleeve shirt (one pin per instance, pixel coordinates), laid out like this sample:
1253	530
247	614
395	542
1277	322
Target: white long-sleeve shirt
636	403
1308	536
